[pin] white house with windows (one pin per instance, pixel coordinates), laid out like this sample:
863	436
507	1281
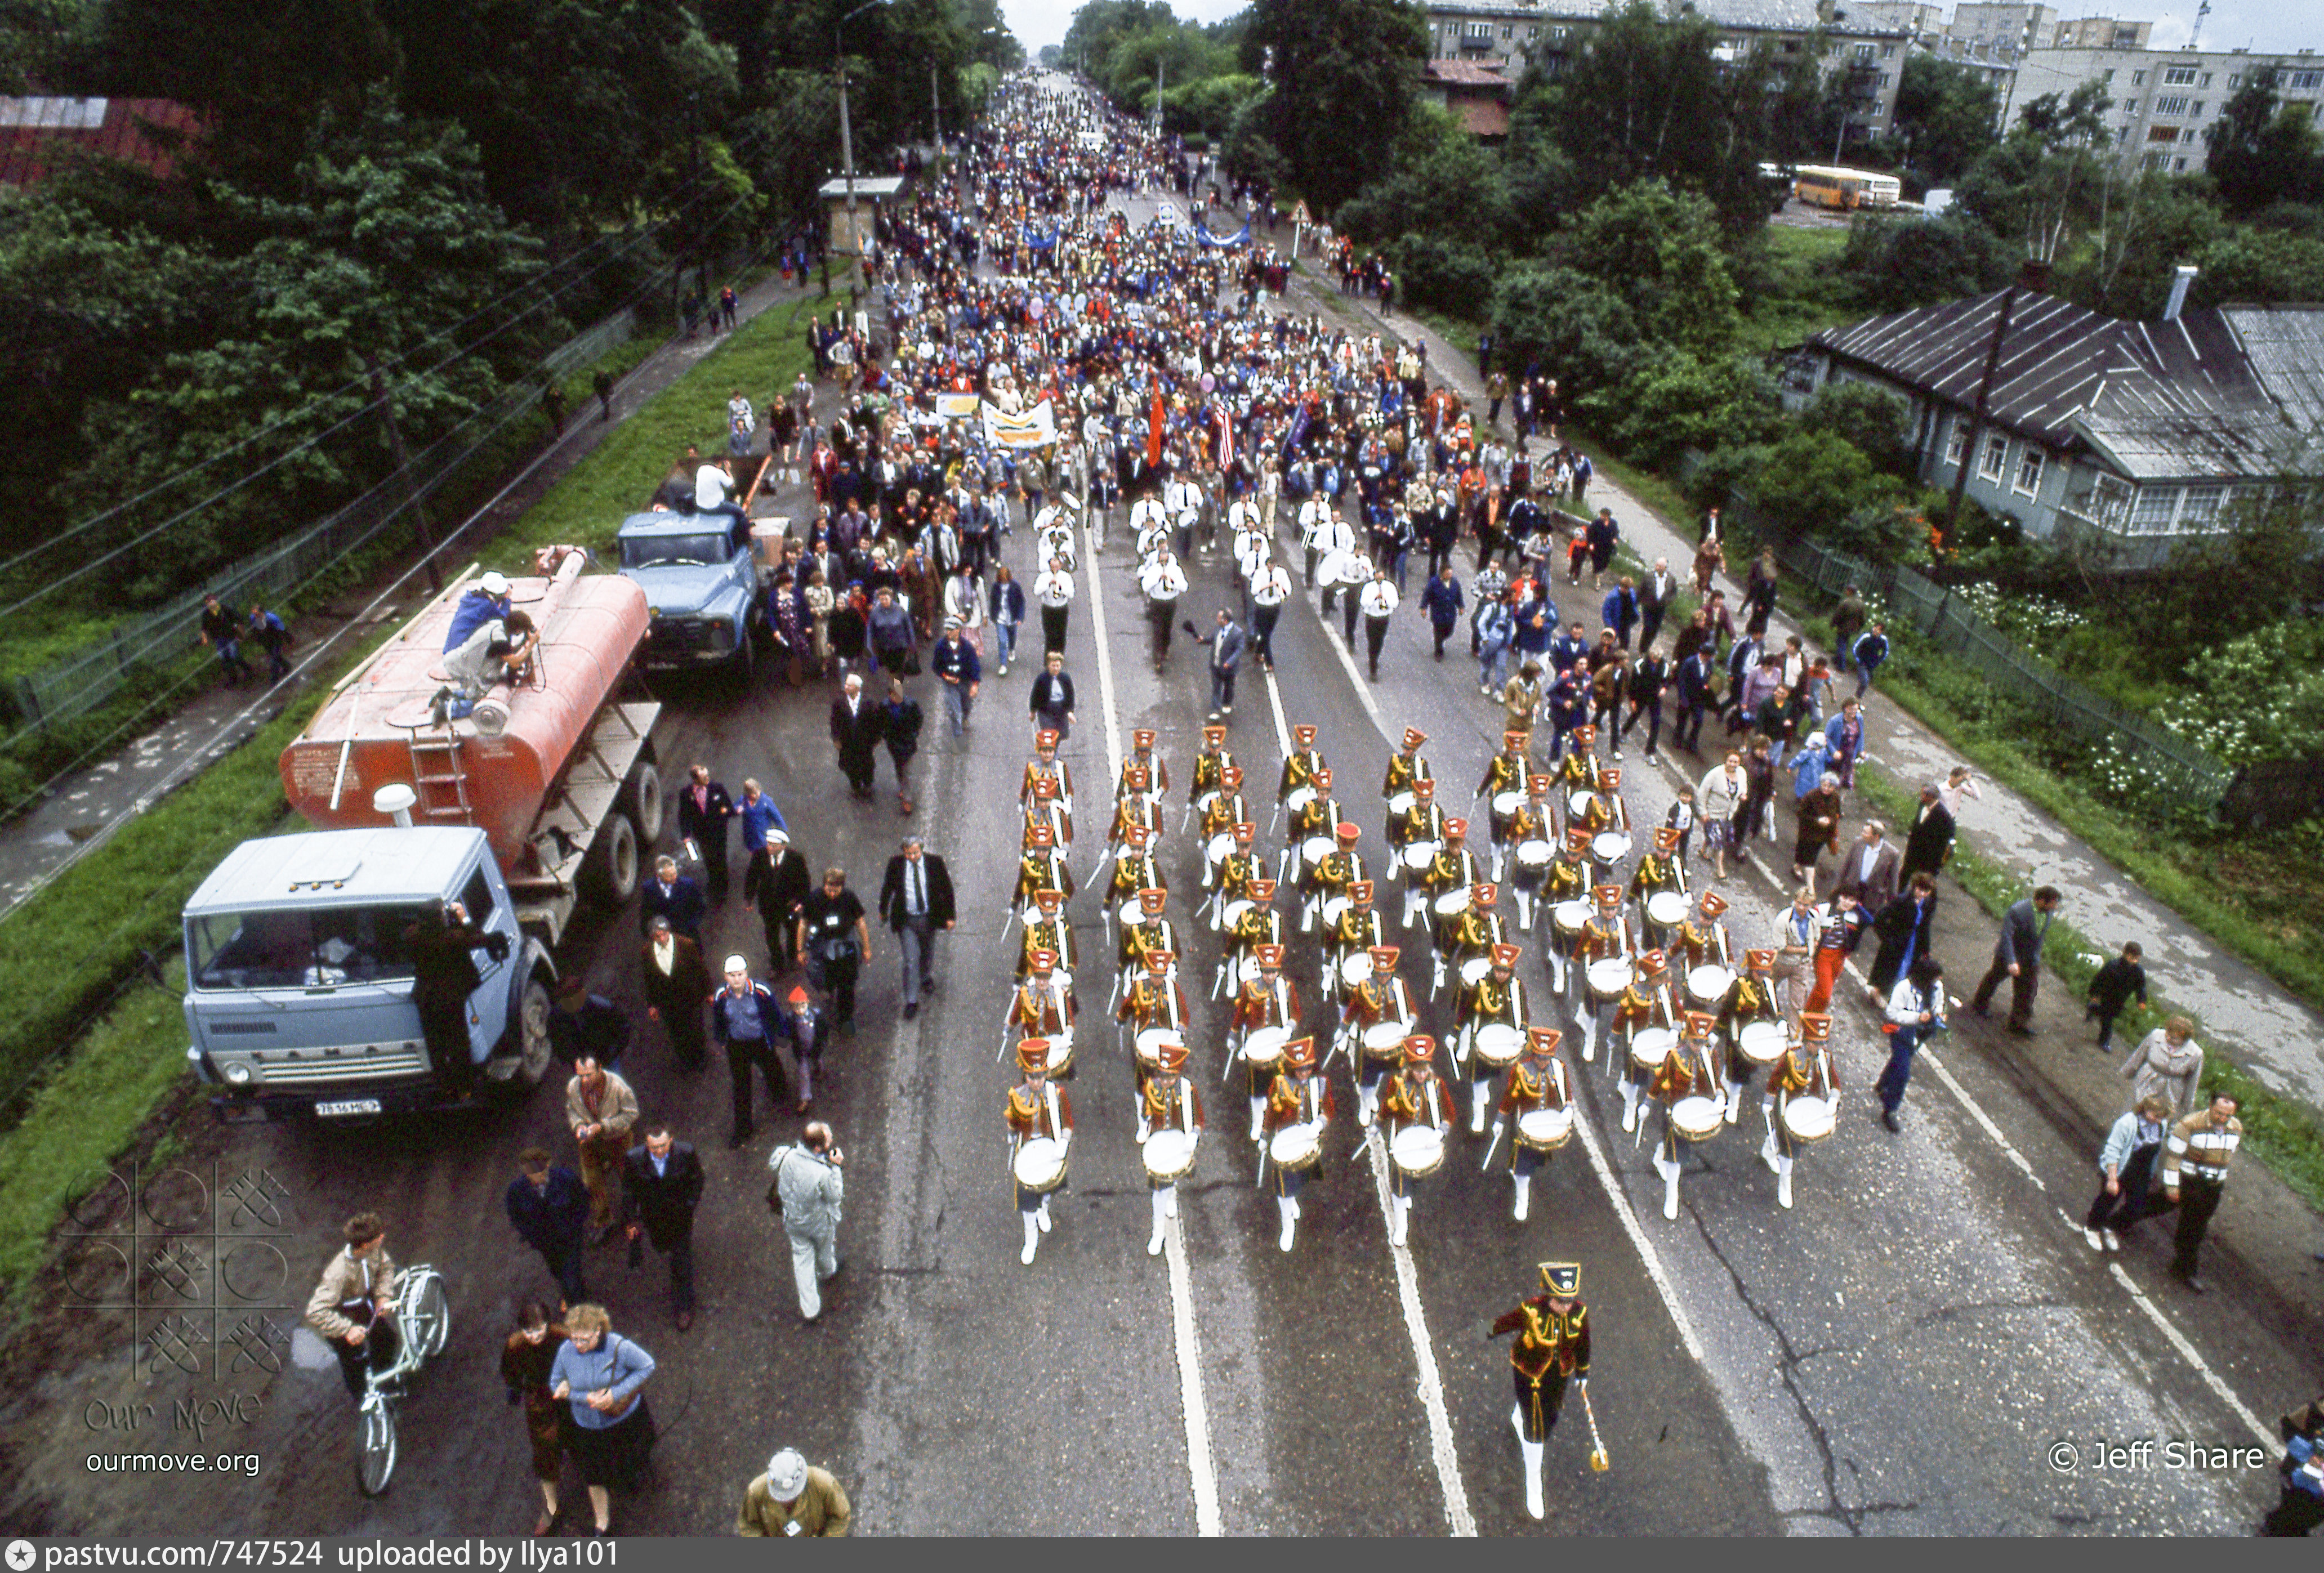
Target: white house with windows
2135	432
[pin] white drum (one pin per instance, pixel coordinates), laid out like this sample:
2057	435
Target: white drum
1247	970
1354	968
1130	913
1039	1163
1029	917
1476	968
1217	848
1264	1047
1298	1147
1384	1040
1696	1119
1417	1150
1577	805
1151	1042
1233	912
1809	1120
1508	802
1651	1045
1707	986
1497	1043
1666	909
1609	846
1061	1051
1315	850
1451	904
1334	908
1607	979
1569	917
1535	855
1169	1155
1761	1042
1418	855
1545	1130
1400	802
1300	797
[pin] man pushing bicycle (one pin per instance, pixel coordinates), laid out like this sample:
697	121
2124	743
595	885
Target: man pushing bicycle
353	1305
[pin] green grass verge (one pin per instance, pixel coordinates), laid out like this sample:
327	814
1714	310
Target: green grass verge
2283	1133
75	949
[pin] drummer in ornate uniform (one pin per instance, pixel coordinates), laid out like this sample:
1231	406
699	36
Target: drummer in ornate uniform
1380	1002
1042	1006
1660	872
1505	780
1330	875
1258	923
1497	1000
1567	881
1048	932
1152	931
1315	819
1045	765
1297	1099
1269	1000
1142	757
1802	1091
1703	937
1471	936
1605	936
1578	771
1603	811
1136	811
1688	1087
1240	867
1454	868
1534	1086
1353	934
1037	1108
1412	1098
1214	821
1169	1103
1155	1000
1423	825
1300	764
1646	1004
1135	869
1552	1349
1039	868
1751	998
1209	765
1529	825
1044	810
1405	766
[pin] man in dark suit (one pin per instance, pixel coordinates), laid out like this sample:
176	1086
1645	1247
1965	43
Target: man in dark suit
677	982
703	810
1903	928
661	1183
1868	870
855	727
1929	842
784	883
2017	956
671	895
915	900
549	1207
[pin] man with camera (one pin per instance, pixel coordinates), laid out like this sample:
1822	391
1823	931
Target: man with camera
805	1193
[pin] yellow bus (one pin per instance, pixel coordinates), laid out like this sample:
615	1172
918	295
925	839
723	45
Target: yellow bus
1830	186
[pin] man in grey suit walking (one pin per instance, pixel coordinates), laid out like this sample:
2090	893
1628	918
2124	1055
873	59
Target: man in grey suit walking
2017	956
1226	642
808	1191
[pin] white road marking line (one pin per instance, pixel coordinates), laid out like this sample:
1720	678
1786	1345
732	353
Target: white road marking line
1977	1113
1407	1278
1199	1463
1651	1257
2266	1434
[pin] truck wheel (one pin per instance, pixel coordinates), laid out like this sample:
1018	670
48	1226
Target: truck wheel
644	800
520	1069
613	872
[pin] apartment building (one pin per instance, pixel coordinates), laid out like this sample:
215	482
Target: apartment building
2162	100
2100	32
2006	31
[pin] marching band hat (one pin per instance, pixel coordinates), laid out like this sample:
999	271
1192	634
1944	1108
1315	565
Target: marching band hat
1585	734
1611	777
1346	830
1045	785
1608	895
1151	898
1537	784
1424	790
1577	840
1262	891
1414	737
1455	829
1048	901
1758	960
1419	1049
1033	1055
1562	1279
1214	734
1040	835
1171	1056
1270	957
1047	738
1245	831
1698	1023
1484	892
1136	836
1513	741
1044	961
1506	955
1666	838
1323	778
1360	890
1654	961
1383	957
1300	1053
1159	961
1141	739
1231	776
1543	1040
1815	1028
1713	903
1303	733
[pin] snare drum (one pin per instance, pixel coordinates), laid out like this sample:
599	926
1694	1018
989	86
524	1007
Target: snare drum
1151	1042
1264	1047
1296	1146
1418	855
1334	908
1301	797
1418	1151
1696	1119
1568	917
1247	970
1761	1042
1131	914
1169	1155
1577	805
1400	802
1061	1051
1355	967
1809	1120
1233	912
1609	846
1535	855
1219	846
1451	904
1314	850
1651	1045
1497	1043
1707	985
1545	1130
1666	909
1475	970
1607	980
1384	1040
1040	1164
1505	804
1032	915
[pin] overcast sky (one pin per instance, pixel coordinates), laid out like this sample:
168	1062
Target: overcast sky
2276	25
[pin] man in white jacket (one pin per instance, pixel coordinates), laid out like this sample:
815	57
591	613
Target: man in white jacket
808	1190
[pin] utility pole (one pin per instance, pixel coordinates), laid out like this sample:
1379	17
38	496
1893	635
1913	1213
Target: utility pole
847	162
1157	97
1976	438
936	111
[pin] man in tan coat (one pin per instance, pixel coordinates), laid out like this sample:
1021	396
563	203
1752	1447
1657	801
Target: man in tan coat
601	1109
351	1302
793	1498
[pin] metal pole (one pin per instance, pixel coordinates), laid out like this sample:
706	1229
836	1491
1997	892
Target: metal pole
847	162
1976	414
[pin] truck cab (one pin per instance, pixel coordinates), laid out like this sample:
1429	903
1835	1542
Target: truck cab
299	971
702	589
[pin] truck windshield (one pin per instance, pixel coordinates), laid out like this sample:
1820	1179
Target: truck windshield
692	551
300	949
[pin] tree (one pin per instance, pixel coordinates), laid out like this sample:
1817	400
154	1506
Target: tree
1567	325
2262	267
1824	488
2041	182
1946	114
1867	418
1893	265
1345	75
1440	182
1677	401
2262	151
2146	226
1658	249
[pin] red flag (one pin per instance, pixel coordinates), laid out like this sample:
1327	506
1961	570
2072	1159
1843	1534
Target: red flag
1154	429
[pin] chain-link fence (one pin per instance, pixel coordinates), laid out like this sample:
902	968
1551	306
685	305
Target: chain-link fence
81	683
1939	617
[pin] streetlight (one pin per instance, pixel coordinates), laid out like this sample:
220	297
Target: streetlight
847	143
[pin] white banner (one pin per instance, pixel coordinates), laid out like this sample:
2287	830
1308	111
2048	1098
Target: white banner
1034	428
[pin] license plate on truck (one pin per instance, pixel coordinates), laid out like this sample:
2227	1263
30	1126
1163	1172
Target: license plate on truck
346	1107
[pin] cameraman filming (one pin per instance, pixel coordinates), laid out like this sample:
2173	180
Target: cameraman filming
807	1191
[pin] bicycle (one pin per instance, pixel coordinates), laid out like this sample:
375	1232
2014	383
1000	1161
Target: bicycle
426	1327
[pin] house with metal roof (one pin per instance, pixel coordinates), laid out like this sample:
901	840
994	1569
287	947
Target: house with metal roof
2136	433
